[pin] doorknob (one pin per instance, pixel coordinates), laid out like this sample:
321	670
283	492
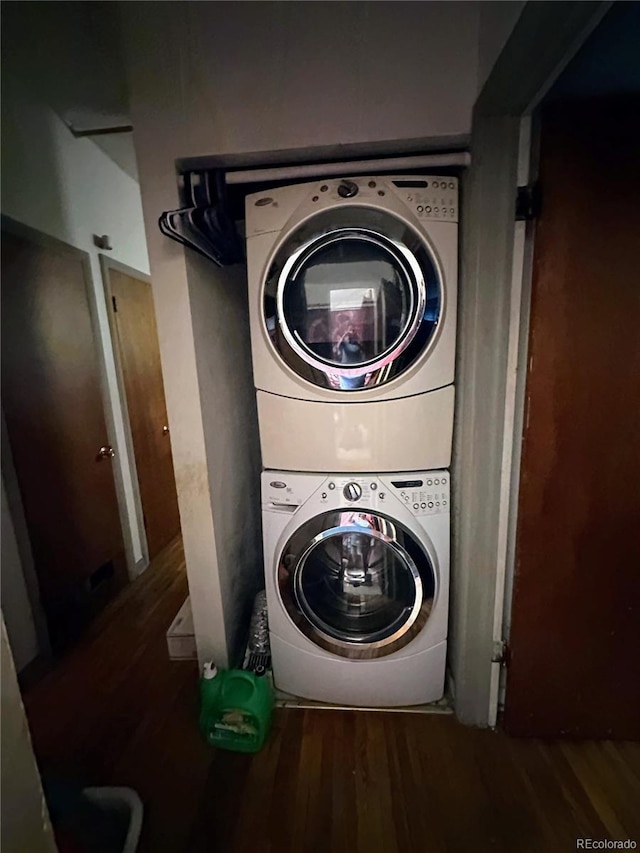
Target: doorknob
165	430
106	452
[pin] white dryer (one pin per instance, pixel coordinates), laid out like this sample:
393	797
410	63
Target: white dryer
357	582
352	295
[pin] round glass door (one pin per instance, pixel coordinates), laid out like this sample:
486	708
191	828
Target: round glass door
352	299
356	584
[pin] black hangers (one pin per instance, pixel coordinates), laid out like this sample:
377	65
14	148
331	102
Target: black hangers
204	224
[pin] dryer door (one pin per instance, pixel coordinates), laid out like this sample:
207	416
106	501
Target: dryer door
356	583
352	298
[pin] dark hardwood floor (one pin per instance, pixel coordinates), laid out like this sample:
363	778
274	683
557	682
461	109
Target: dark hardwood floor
116	711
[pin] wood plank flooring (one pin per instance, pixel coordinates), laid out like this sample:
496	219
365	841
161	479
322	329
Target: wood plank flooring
116	711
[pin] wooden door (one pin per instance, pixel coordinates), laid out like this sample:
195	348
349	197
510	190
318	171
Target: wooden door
575	635
134	324
52	401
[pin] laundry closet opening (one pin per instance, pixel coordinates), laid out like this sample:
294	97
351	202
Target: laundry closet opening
348	295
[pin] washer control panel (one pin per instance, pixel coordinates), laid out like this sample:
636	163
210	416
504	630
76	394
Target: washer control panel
358	490
427	495
352	491
285	492
422	493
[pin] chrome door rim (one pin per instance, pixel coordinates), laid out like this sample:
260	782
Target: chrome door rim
418	302
287	576
399	551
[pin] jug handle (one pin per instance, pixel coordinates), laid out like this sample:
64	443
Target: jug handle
244	676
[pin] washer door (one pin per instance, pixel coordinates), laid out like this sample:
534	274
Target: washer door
352	298
356	583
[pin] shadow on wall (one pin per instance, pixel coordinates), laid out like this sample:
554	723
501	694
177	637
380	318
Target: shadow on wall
65	187
70	54
31	191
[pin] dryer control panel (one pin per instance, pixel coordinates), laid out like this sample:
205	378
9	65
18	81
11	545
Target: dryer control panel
430	198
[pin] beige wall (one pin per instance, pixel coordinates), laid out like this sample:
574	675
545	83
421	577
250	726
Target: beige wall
156	145
274	75
25	820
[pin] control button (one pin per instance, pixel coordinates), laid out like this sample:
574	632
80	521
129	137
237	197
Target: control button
406	498
374	486
382	495
451	185
437	503
435	184
416	506
277	484
352	491
427	209
436	210
347	189
315	198
436	482
443	480
429	482
452	211
380	192
444	503
324	188
324	496
332	485
423	505
420	208
430	504
372	184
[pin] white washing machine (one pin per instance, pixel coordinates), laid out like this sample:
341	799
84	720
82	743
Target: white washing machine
357	581
352	295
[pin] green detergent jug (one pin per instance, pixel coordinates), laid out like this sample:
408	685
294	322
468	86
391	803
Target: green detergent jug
235	708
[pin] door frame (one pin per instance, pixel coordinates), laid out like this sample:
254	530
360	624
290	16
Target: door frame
493	325
106	265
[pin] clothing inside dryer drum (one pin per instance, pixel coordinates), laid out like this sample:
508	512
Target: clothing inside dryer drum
356	587
350	303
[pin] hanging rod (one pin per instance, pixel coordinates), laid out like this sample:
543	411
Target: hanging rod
325	170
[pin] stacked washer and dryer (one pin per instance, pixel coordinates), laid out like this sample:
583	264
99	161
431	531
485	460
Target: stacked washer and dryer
353	289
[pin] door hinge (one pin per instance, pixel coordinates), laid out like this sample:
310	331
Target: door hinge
528	202
500	652
115	304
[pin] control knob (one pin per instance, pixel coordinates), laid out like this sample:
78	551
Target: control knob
347	189
352	491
